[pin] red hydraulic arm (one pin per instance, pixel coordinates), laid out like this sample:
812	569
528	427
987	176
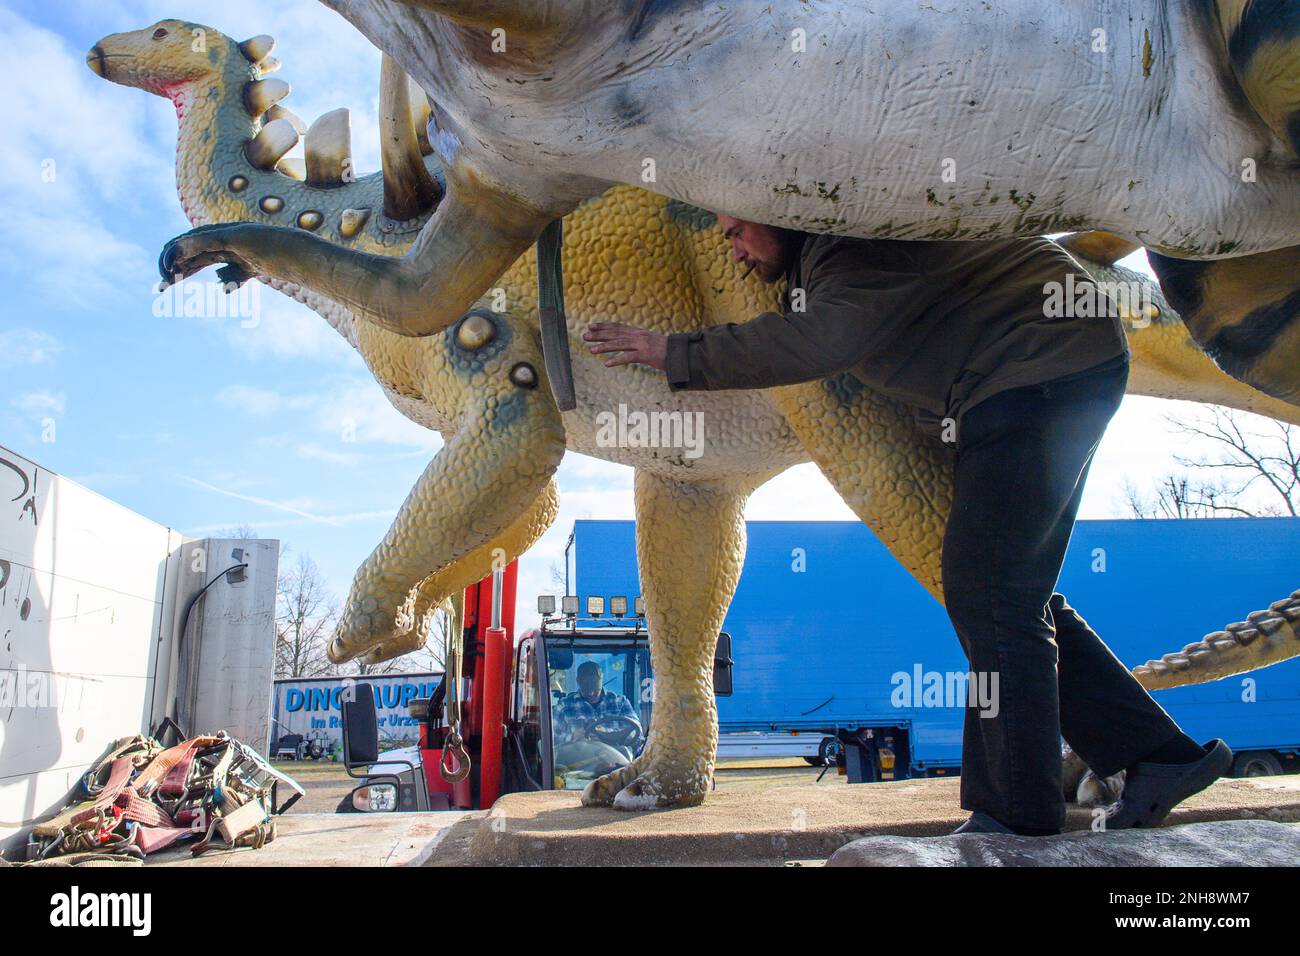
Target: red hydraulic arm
488	660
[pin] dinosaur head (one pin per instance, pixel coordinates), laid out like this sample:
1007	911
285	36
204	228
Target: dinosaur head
172	55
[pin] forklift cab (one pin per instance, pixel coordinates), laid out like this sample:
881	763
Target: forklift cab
578	706
584	693
582	700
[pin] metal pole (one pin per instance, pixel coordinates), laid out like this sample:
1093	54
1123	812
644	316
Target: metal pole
498	586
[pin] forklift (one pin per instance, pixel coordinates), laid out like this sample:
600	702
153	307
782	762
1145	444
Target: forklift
566	703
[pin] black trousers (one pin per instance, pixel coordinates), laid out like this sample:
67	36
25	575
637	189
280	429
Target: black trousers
1022	460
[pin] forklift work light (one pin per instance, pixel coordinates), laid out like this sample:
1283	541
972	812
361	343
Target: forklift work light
545	604
570	605
618	605
595	605
638	606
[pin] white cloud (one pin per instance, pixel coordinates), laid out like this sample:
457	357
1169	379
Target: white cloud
70	141
250	399
41	402
285	329
27	347
310	451
354	413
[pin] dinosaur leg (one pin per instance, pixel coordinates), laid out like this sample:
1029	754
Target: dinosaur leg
690	542
1244	312
413	618
475	235
490	472
894	476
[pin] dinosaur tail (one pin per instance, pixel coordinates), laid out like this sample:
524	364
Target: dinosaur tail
1264	638
1263	44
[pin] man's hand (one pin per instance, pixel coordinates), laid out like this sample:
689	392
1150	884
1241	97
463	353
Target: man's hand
636	345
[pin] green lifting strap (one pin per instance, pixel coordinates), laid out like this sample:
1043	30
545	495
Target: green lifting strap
550	307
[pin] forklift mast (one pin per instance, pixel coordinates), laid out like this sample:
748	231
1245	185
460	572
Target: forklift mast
489	628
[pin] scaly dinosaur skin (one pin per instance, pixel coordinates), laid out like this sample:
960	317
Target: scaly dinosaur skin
833	117
490	492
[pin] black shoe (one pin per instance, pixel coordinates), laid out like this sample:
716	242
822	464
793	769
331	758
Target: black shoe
981	822
1151	790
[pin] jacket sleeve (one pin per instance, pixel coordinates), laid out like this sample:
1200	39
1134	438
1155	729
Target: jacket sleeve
858	295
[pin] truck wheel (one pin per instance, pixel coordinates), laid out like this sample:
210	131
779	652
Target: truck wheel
1256	763
826	752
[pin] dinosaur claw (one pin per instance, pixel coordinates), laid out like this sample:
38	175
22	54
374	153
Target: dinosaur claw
167	263
232	275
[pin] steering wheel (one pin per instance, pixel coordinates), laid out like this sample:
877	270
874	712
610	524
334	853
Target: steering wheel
617	731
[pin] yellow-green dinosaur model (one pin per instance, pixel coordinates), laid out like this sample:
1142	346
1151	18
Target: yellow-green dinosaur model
632	256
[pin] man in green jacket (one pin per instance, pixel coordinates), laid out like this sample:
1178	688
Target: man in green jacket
961	332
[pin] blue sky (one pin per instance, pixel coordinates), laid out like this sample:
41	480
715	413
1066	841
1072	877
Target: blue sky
202	424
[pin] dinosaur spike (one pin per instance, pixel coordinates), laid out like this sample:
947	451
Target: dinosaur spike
268	65
267	148
409	190
420	117
351	221
293	167
1105	248
279	112
261	95
255	49
328	148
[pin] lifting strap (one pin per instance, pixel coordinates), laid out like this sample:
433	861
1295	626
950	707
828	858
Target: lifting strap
550	308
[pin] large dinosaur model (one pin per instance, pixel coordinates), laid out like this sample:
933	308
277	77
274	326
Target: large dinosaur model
1173	123
490	491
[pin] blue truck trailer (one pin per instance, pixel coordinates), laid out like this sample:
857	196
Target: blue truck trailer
831	636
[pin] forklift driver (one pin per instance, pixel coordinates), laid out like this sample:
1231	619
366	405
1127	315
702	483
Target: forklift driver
575	714
964	334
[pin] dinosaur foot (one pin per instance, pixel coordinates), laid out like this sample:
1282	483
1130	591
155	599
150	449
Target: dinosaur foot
645	785
202	247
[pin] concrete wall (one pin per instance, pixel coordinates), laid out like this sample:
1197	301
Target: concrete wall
223	664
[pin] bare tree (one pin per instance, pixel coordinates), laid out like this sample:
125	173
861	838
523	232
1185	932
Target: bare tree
1257	471
305	617
428	658
241	531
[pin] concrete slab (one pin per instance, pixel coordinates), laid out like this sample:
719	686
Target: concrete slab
334	839
775	825
1217	843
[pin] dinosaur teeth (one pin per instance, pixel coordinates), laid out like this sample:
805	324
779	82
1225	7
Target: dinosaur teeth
420	112
328	149
409	190
279	112
292	167
255	49
351	221
267	148
261	95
